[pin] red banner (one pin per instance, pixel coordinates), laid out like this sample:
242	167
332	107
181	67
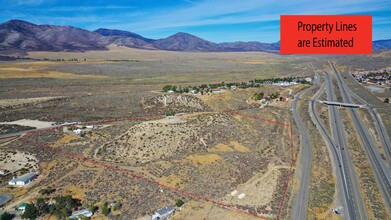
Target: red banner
325	34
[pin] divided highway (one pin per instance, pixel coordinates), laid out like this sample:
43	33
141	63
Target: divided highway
353	196
380	170
300	205
342	189
380	128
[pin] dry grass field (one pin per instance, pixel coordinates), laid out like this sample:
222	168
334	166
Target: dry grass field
145	66
209	154
206	151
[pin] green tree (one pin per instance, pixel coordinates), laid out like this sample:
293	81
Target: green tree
117	206
42	206
7	216
64	213
105	209
387	100
179	203
166	88
258	96
30	212
52	208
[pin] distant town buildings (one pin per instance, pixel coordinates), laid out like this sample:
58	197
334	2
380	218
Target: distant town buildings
284	84
221	87
23	180
381	77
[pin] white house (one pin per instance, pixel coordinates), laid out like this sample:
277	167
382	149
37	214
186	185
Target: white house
78	131
23	180
81	213
164	213
22	207
308	79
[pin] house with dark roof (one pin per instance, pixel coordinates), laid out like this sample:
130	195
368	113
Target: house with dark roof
164	213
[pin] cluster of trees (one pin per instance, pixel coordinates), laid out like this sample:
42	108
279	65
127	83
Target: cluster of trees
274	95
61	208
7	216
258	96
261	95
206	88
167	88
274	80
73	59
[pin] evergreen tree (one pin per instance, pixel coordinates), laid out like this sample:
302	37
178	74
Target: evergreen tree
105	209
7	216
30	212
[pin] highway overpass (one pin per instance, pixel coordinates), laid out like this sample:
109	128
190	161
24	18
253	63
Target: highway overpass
342	104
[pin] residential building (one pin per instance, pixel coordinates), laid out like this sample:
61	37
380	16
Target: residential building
164	213
80	214
79	131
22	207
216	90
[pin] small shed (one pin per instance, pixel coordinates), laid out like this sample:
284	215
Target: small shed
22	207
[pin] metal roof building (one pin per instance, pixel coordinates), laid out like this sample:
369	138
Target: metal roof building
81	213
164	213
23	180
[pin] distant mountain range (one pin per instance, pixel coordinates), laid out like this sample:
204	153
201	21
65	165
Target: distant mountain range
22	36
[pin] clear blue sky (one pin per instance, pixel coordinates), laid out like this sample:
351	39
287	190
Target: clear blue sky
214	20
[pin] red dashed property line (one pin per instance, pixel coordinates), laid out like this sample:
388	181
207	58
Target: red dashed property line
83	159
292	151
